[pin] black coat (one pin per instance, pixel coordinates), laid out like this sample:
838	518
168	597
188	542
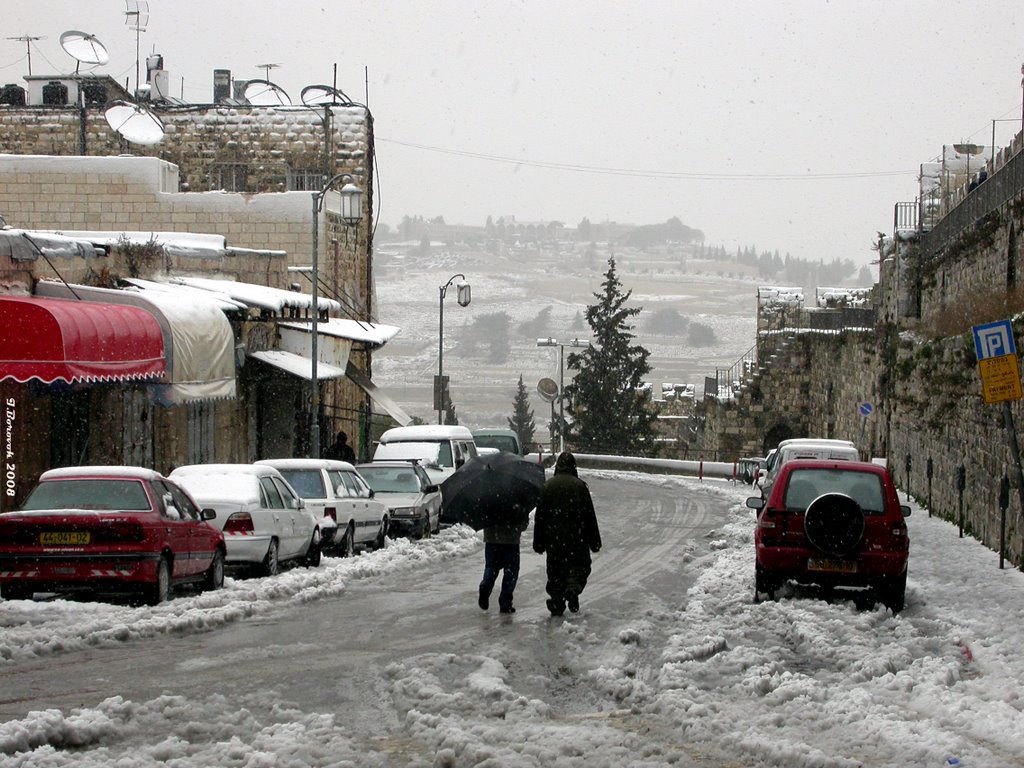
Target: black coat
565	524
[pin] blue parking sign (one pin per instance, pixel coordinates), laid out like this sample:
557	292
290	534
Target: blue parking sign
994	340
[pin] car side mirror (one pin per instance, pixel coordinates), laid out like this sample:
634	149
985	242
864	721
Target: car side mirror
299	504
905	510
430	489
207	514
755	502
372	493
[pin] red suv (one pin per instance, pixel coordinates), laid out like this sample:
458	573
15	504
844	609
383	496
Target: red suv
834	524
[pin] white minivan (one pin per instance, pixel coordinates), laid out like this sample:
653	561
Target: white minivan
440	448
805	448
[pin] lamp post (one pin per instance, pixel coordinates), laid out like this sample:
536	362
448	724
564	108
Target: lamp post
464	296
351	211
550	342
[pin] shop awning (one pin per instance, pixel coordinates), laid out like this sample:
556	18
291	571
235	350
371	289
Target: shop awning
390	407
78	341
297	365
198	341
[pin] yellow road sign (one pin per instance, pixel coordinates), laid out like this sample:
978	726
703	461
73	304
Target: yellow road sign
1000	379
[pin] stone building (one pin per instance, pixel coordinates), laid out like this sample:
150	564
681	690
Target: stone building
249	175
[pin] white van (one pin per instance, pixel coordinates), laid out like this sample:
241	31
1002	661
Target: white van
805	448
440	449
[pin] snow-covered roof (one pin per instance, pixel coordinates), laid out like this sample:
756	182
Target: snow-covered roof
373	334
26	245
260	296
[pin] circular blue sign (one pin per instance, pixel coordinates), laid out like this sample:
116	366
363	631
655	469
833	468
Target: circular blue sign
865	409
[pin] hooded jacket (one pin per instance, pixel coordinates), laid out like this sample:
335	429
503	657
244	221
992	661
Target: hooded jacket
565	524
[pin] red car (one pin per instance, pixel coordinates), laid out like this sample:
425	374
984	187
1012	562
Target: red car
108	530
833	524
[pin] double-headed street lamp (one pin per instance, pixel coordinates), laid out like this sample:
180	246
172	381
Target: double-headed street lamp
550	342
350	209
464	297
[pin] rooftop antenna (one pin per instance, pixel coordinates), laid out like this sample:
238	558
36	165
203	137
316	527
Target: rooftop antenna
84	48
28	40
136	16
266	68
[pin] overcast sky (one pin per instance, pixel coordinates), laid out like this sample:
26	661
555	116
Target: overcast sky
792	126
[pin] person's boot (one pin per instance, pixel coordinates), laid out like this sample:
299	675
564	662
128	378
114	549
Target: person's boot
573	601
557	608
484	600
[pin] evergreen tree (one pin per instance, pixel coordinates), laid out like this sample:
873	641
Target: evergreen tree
521	421
608	411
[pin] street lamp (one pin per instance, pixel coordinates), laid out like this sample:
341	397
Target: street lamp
351	211
550	342
464	296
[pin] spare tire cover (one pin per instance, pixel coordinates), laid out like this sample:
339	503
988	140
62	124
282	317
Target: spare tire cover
834	523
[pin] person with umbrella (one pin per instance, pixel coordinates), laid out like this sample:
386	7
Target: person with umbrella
565	528
495	493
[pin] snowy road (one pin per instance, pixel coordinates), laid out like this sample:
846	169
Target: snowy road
385	660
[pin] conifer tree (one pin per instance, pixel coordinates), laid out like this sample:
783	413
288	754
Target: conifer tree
521	421
608	411
449	414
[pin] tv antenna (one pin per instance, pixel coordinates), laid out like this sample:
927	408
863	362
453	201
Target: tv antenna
263	93
136	16
320	95
28	40
84	48
136	124
266	69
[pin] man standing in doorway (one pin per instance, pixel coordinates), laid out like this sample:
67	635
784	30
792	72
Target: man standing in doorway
565	528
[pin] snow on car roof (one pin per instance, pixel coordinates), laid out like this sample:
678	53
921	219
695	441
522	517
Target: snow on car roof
305	463
142	473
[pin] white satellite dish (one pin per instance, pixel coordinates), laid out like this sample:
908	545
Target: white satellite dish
83	47
263	93
137	125
319	95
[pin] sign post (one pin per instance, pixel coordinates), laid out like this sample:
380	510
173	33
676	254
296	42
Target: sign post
1000	381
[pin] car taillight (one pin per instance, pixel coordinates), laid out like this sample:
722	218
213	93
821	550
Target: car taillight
239	522
119	530
332	513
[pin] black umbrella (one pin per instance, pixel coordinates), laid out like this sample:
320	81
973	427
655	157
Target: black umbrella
492	489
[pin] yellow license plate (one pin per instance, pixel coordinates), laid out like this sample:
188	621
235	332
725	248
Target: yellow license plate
63	538
832	566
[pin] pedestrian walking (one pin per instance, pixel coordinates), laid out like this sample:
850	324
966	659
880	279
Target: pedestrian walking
340	450
565	529
501	555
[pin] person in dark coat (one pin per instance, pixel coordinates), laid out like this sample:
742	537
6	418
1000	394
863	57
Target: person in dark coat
340	450
501	555
565	528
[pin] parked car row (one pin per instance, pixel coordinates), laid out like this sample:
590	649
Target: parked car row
131	531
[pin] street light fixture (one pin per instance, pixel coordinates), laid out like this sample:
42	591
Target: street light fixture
351	211
550	342
464	296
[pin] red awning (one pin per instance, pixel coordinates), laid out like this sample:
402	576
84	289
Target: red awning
57	339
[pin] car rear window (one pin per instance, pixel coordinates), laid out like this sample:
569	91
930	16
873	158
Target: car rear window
805	485
501	442
308	483
83	493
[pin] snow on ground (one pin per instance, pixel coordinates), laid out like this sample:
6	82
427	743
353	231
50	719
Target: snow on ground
768	684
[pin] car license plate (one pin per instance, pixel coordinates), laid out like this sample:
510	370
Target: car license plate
831	566
63	538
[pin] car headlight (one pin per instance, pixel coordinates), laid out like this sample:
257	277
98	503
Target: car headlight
404	511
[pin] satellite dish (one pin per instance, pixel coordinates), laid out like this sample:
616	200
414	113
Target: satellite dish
319	95
83	47
137	125
263	93
548	390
